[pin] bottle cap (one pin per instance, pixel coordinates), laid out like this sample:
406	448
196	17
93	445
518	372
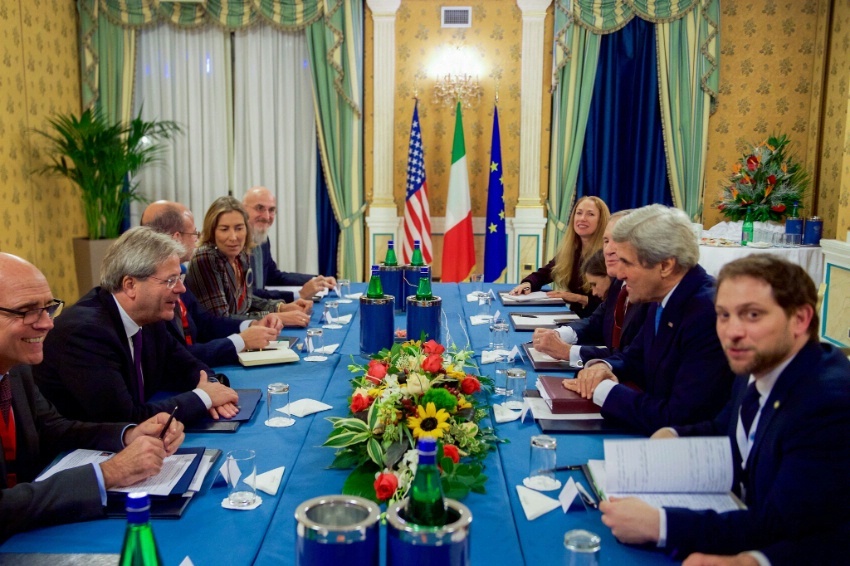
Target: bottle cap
427	446
390	244
417	243
138	501
424	270
375	269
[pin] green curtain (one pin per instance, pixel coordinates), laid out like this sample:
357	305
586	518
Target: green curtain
688	81
577	54
335	47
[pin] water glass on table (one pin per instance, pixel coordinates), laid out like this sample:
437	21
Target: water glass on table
331	314
514	388
343	289
582	548
315	343
241	473
542	463
500	374
477	280
499	333
277	397
484	301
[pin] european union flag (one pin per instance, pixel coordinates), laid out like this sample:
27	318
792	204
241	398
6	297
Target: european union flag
495	240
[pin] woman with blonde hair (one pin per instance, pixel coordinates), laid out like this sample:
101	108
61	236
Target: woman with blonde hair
220	275
582	240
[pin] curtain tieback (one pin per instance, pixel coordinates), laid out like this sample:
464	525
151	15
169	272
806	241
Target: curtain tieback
349	220
559	225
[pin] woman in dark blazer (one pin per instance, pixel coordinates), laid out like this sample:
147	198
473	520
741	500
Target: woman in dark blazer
220	274
582	240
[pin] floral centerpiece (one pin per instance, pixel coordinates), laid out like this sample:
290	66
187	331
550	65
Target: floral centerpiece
766	180
405	393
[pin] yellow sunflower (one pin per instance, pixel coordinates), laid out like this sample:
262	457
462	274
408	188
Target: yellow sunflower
428	422
462	403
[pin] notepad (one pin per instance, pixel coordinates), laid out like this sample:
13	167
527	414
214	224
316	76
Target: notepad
276	353
694	473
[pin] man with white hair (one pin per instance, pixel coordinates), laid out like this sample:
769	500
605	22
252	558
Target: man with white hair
676	361
261	206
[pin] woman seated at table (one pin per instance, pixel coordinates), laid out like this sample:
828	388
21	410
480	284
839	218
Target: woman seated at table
219	274
612	326
582	240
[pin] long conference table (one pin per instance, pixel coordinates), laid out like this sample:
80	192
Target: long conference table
209	534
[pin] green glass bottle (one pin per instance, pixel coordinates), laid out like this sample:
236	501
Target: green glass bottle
139	545
425	504
423	290
747	228
416	259
375	289
390	260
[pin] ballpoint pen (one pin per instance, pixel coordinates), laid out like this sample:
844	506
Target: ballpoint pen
167	424
588	499
572	468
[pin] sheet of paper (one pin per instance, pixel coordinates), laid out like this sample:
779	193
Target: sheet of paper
76	459
543	319
676	465
201	472
173	468
720	502
536	296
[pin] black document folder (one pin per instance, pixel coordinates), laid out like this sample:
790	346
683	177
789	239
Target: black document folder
248	401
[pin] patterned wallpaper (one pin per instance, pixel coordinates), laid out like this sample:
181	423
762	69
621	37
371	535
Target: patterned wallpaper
835	166
39	75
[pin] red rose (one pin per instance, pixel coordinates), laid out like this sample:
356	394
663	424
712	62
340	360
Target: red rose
450	451
360	402
778	208
433	347
470	385
376	371
385	486
433	363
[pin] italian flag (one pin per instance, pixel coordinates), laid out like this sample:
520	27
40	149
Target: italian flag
458	246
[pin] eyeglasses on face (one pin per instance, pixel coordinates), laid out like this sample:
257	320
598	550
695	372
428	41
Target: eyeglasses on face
171	282
195	233
261	208
32	316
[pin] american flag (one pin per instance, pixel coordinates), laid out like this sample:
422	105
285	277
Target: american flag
417	214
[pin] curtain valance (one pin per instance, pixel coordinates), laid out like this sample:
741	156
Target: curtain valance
288	15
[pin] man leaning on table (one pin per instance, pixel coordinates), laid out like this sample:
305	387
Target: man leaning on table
215	340
111	352
261	206
676	359
788	423
32	432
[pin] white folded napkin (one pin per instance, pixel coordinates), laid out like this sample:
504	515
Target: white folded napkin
257	502
535	503
267	481
329	349
489	356
505	415
354	295
344	319
478	319
304	407
568	494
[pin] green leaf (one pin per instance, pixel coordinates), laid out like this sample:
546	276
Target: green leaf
376	453
345	460
395	453
352	424
345	438
448	465
361	482
373	416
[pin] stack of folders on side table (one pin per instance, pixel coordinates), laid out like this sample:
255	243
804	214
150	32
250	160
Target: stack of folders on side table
170	491
694	473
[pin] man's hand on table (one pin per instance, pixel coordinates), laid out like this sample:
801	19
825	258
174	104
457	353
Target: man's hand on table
224	399
587	379
549	342
698	559
631	520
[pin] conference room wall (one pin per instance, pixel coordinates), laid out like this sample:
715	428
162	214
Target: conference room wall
39	75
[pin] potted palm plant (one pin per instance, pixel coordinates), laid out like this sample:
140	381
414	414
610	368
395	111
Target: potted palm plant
100	158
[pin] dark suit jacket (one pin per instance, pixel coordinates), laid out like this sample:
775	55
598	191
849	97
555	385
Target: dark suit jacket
42	433
798	465
88	371
543	276
598	328
682	371
274	277
209	333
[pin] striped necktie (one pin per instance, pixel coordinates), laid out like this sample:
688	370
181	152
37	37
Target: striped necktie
5	397
137	362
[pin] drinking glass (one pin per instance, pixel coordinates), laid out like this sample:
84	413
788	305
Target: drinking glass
315	343
484	306
241	473
343	289
582	548
500	376
277	396
477	280
331	314
499	333
541	467
514	388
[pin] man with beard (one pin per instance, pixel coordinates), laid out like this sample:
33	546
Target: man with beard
261	206
788	422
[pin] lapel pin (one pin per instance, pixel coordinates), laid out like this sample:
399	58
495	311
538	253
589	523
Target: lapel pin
775	405
670	324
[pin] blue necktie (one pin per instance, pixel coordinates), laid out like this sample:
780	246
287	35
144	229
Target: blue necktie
658	317
749	407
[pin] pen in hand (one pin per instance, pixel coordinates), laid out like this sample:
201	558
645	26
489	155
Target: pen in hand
167	424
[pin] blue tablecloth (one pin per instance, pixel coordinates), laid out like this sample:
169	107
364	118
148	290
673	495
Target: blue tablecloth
209	534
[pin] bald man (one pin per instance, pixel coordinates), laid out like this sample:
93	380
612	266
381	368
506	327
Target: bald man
261	206
214	340
32	432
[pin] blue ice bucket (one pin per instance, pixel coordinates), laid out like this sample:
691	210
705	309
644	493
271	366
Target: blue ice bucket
423	316
409	283
812	232
393	283
414	545
376	325
337	529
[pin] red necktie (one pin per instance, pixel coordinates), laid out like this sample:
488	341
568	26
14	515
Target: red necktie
5	397
619	317
185	320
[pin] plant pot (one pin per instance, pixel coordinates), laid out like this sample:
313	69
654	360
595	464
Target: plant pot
88	255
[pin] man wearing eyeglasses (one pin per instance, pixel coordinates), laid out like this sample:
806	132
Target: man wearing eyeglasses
215	340
112	352
261	206
32	432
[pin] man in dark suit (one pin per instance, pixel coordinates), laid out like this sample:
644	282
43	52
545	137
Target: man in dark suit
788	423
676	359
112	351
214	340
32	433
611	327
261	206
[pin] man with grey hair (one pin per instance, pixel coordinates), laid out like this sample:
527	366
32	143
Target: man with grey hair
676	360
111	352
